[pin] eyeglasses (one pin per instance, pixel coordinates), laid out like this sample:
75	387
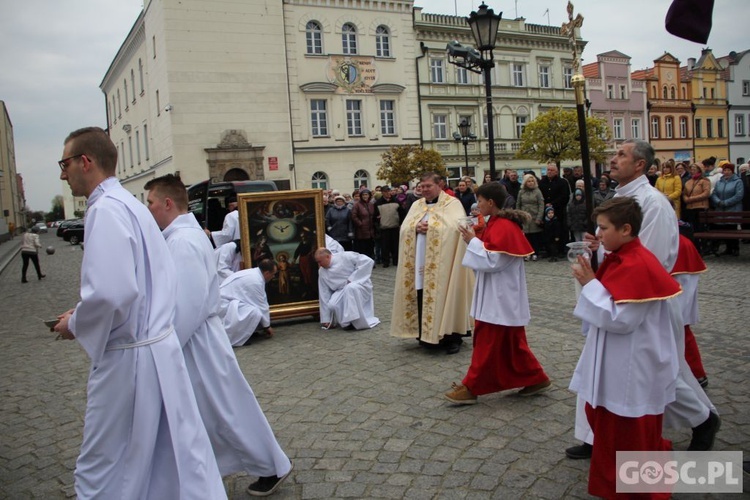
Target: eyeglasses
64	162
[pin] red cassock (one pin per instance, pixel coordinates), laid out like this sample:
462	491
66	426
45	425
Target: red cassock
501	358
613	433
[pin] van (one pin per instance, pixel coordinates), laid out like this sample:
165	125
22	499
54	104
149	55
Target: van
208	202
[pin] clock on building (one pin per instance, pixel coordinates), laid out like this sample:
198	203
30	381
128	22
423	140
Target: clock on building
282	230
669	76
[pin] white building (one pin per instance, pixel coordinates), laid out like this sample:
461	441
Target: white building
12	203
298	92
738	95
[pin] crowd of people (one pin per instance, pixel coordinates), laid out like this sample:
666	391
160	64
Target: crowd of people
460	257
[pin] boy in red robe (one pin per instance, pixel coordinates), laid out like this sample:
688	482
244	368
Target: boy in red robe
501	358
629	364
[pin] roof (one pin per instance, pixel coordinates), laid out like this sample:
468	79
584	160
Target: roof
614	53
591	70
642	74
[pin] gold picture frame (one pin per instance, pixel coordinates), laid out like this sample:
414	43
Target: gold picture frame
286	226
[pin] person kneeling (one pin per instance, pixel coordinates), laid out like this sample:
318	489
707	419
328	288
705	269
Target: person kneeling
244	305
345	290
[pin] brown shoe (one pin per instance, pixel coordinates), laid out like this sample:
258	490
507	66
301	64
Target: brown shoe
460	395
535	389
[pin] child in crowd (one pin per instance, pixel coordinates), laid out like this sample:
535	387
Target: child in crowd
501	358
629	364
552	232
477	220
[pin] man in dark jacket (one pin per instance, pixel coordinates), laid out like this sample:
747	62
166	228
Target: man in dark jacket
389	214
557	192
510	181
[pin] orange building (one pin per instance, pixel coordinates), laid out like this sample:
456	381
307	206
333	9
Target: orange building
709	97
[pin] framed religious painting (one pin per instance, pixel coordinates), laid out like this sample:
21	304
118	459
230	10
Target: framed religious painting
286	226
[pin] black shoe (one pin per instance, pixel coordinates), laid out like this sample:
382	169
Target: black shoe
385	265
42	276
453	348
265	486
704	434
580	452
703	381
24	280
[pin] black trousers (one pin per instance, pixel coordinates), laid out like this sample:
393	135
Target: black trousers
365	247
389	245
33	257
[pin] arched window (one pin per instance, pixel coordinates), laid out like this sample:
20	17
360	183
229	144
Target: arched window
314	37
664	92
684	93
320	180
683	127
132	83
349	39
669	127
653	92
672	93
382	42
361	178
125	86
140	74
655	127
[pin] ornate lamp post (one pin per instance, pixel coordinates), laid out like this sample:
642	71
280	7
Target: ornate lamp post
464	135
484	24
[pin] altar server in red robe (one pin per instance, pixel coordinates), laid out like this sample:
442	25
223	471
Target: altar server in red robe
501	358
629	365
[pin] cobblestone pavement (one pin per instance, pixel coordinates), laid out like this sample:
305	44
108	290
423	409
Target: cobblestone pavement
360	413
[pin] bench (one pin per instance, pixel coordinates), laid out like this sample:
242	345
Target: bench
716	226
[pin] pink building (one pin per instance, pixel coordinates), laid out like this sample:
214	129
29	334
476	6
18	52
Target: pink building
616	98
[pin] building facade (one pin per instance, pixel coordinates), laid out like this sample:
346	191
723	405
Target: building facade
12	202
737	73
709	99
616	98
532	74
670	111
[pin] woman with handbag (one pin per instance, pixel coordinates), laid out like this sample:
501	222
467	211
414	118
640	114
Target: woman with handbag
30	252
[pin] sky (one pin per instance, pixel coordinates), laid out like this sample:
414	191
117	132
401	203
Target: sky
54	55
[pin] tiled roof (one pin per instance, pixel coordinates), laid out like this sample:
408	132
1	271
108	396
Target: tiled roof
642	74
591	70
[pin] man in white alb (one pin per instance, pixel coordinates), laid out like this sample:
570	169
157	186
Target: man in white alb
230	231
228	259
244	304
241	437
345	290
143	436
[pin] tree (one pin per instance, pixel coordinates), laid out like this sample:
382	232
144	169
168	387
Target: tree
402	164
554	136
58	211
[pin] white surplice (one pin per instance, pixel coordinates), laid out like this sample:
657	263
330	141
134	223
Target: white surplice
688	299
241	437
499	275
228	260
345	291
629	362
333	246
230	231
143	435
244	305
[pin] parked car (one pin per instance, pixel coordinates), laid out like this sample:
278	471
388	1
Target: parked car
73	233
41	227
64	224
208	202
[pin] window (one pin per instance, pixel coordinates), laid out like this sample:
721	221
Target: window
683	127
568	77
485	128
132	83
436	71
617	128
610	91
145	140
119	159
138	146
314	37
720	127
635	128
655	127
672	93
354	117
112	110
130	150
745	87
440	126
709	127
623	93
664	92
361	178
739	124
122	148
158	106
320	180
387	118
349	39
698	130
705	94
119	105
668	127
517	73
382	42
462	76
520	125
653	92
153	45
713	93
544	76
319	118
125	86
140	74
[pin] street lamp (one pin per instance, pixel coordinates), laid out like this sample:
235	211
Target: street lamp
465	136
484	24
